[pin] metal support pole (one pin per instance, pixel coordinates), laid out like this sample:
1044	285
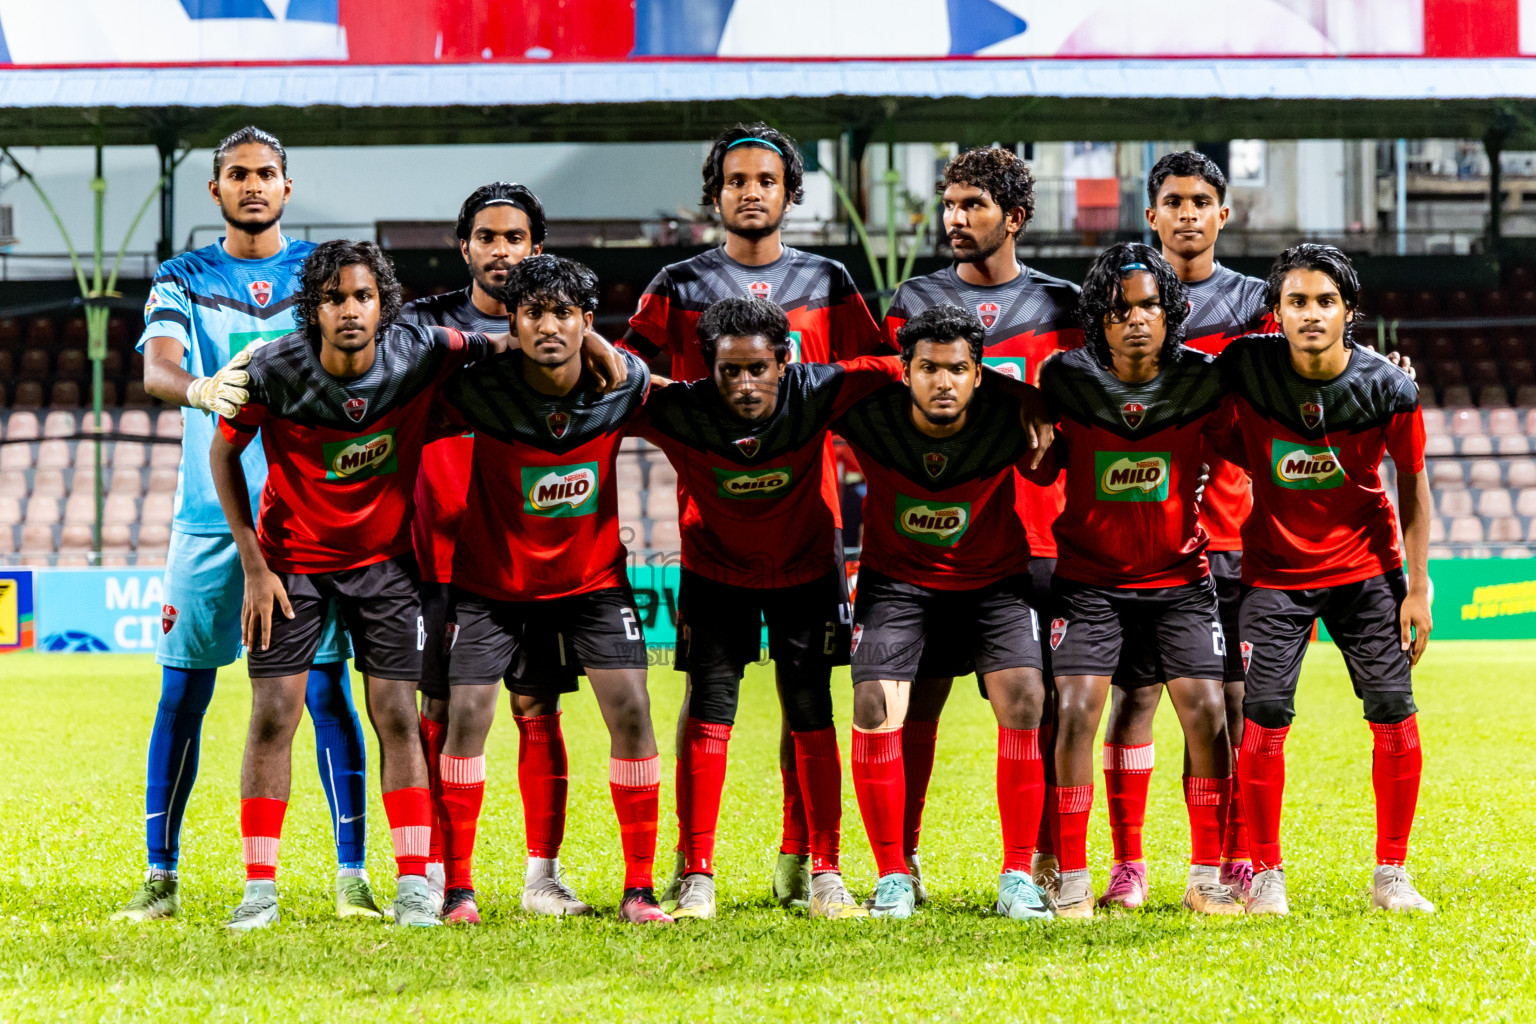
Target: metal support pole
165	248
1493	142
1148	158
96	331
1400	214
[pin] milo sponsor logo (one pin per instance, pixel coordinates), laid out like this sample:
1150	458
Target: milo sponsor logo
560	491
240	340
1009	366
1305	467
362	457
941	524
795	355
1132	476
753	483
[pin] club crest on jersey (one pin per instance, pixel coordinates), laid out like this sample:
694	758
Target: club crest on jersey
450	636
759	289
1133	413
749	446
1311	414
858	634
987	312
934	463
168	615
1058	632
356	408
261	291
558	422
1247	649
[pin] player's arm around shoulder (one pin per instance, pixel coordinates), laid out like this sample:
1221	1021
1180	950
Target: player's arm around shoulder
263	588
167	338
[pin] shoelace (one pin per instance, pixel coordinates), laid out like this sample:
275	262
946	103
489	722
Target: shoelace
1398	884
253	908
556	887
689	889
1261	889
1215	892
1123	883
889	891
416	902
1026	891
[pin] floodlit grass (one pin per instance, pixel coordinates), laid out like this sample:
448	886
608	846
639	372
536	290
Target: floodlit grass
72	850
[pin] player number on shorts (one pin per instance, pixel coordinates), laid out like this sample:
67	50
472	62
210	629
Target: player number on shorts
631	627
421	633
829	639
1218	639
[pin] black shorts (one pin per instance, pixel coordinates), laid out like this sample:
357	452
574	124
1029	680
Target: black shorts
808	625
1362	620
540	647
1227	574
437	640
1095	625
902	630
379	604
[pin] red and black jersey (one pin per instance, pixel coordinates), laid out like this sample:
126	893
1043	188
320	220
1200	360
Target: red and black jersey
940	512
1313	448
1222	308
1132	455
342	455
543	513
443	482
1027	320
759	502
828	319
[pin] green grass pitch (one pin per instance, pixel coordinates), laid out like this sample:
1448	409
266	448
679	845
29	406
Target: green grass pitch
72	851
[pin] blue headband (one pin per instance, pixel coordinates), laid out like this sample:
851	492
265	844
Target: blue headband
1134	266
754	138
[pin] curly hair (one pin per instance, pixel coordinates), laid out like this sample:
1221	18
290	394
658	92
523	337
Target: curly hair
942	323
743	318
1325	259
756	135
1000	173
1103	292
549	278
1187	164
245	136
503	193
324	266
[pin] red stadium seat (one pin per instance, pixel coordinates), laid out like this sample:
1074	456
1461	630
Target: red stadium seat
10	332
75	331
1465	422
1519	279
1493	303
28	395
35	365
1459	304
1510	347
162	479
1426	306
7	364
1482	371
136	396
1443	348
40	332
1492	396
1500	421
64	392
1446	473
72	365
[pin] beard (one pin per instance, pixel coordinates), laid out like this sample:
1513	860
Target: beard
755	234
482	275
938	419
250	227
985	247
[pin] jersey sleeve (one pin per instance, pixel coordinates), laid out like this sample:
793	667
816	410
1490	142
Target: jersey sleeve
895	317
863	377
168	313
652	320
854	331
241	430
1405	440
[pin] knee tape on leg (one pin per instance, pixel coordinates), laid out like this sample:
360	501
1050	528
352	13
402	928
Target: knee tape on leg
1271	714
713	700
1389	708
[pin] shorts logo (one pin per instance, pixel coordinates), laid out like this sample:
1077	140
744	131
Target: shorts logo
560	491
1058	632
1311	414
934	463
759	289
1133	413
749	446
987	312
1305	467
261	291
558	422
858	634
355	408
1132	476
793	337
753	483
935	523
1008	367
167	617
450	636
1247	649
362	457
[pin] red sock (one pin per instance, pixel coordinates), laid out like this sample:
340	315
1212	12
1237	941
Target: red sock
1396	765
432	746
541	779
797	830
1234	843
635	785
917	742
820	771
261	826
1127	771
879	782
1020	794
1203	799
1072	806
409	812
463	793
707	742
1045	842
1261	775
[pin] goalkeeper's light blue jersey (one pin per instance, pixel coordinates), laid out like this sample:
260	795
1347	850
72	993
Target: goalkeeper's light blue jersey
215	305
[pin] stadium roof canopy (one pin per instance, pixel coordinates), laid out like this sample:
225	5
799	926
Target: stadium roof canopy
968	100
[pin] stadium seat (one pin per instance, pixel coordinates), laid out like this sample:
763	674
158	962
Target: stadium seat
1434	421
629	505
1522	473
1494	503
48	483
1425	305
1492	302
10	510
168	423
1474	552
28	395
1525	502
1465	422
16	456
1510	347
1492	396
80	508
1459	303
40	332
75	331
1439	444
154	535
136	397
59	423
35	365
1456	503
661	491
1456	395
1476	444
53	454
7	364
71	364
1500	423
127	481
165	456
42	511
150	557
1518	371
7	539
135	422
664	535
116	537
13	483
1512	444
1446	372
64	392
1436	530
10	332
128	455
1516	551
158	507
1504	530
162	478
119	508
1480	370
1484	473
36	541
1441	552
23	424
1530	531
1465	530
75	537
1525	395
